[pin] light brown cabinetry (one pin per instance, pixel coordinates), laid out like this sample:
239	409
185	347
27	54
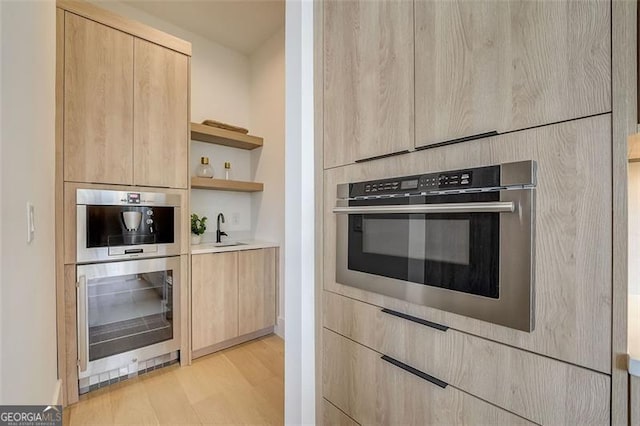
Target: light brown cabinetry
233	295
538	388
256	289
573	263
486	66
373	391
98	102
214	298
368	79
161	126
126	113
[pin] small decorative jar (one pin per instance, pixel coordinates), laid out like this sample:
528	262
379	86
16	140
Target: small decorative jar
204	169
227	170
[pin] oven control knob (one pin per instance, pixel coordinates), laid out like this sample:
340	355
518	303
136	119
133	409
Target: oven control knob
149	221
149	212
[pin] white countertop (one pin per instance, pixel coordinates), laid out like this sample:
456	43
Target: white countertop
244	245
634	334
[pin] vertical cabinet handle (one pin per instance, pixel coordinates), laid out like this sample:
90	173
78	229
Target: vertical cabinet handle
83	323
415	372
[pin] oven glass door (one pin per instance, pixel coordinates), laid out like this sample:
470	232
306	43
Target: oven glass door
124	306
455	251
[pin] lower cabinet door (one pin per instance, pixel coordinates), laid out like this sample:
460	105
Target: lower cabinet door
256	289
373	390
214	298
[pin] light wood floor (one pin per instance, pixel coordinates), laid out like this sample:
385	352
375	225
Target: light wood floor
240	385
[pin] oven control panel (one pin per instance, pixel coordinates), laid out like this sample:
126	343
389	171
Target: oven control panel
443	181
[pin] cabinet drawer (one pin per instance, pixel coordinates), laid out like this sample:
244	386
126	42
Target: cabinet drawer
372	391
538	388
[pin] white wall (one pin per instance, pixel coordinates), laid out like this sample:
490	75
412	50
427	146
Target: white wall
300	221
634	228
220	90
267	90
28	304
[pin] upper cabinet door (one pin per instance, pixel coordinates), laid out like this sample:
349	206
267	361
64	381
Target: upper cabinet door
486	66
368	79
161	93
98	102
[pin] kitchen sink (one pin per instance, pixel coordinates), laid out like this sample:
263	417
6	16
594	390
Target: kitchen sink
228	244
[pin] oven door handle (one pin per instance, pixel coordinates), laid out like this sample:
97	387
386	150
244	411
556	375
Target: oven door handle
83	325
490	207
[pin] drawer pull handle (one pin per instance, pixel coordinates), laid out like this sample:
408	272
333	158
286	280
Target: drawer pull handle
459	140
378	157
416	319
415	372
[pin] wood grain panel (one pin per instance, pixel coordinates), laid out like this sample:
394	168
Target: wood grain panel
98	103
487	65
372	391
59	205
226	185
634	400
331	416
256	289
625	119
214	135
633	144
161	116
538	388
573	250
368	79
214	298
90	11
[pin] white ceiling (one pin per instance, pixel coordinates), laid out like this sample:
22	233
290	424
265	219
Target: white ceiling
242	25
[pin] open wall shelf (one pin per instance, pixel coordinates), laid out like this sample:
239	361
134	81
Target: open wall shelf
204	133
226	185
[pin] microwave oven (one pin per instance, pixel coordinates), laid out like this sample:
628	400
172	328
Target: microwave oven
462	241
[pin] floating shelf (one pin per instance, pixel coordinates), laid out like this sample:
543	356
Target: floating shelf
226	185
204	133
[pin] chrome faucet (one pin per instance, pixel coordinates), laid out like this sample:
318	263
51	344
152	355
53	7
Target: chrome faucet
219	233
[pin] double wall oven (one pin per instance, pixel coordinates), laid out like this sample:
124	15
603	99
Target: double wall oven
461	241
128	281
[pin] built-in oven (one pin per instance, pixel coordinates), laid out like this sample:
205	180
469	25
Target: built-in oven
113	225
460	241
127	312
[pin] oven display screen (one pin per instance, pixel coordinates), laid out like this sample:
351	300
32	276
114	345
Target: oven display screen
409	184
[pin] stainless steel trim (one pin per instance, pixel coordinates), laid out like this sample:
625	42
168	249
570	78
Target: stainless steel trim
518	173
83	323
493	207
103	197
514	308
102	270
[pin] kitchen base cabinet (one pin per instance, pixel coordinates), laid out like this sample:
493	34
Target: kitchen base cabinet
214	300
233	298
331	416
538	388
371	390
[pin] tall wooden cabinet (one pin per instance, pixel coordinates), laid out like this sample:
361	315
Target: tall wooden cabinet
161	124
368	79
126	112
485	66
403	75
98	102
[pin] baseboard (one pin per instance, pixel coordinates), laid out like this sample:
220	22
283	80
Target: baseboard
231	342
279	329
57	393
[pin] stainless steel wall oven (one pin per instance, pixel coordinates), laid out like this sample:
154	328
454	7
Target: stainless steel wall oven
462	241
